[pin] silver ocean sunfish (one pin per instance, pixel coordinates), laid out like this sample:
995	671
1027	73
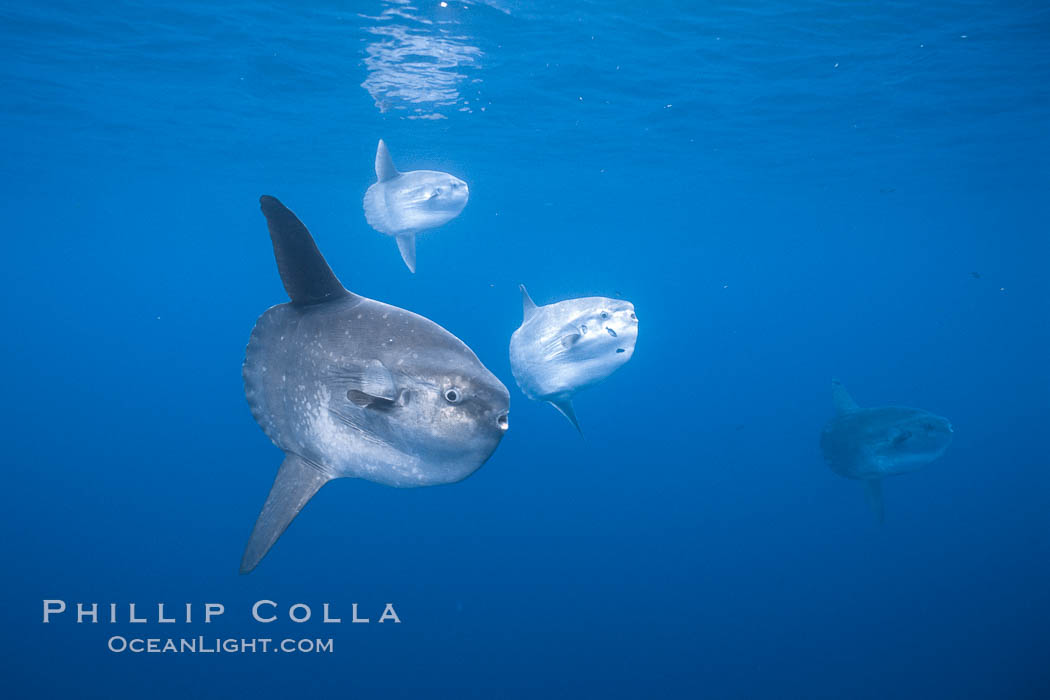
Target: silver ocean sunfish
404	204
871	444
351	387
562	348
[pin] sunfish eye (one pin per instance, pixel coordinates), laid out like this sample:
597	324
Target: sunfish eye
453	395
605	315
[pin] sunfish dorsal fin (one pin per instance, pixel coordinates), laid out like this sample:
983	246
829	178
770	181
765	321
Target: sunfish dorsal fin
565	408
844	403
406	244
385	169
528	306
296	483
304	272
874	490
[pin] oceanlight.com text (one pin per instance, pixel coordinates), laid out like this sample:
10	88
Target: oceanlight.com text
217	645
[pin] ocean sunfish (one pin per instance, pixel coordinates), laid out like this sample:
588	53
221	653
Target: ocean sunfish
570	345
404	204
351	387
872	443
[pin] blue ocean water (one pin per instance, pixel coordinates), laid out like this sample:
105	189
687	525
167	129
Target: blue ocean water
787	192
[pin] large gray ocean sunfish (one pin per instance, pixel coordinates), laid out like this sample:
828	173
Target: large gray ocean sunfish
562	348
870	444
405	204
351	387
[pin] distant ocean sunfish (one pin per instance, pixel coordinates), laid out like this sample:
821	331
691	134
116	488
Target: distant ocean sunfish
562	348
404	204
351	387
872	443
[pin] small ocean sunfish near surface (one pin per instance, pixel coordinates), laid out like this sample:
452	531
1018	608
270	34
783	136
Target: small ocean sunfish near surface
870	444
404	204
351	387
562	348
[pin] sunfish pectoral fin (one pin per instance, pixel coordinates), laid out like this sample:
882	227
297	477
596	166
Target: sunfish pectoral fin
296	483
844	403
406	243
570	339
873	487
565	408
385	169
366	400
528	306
377	381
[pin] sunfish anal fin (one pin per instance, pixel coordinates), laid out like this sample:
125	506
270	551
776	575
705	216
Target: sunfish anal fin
385	169
528	306
844	403
874	490
406	243
565	408
304	272
296	483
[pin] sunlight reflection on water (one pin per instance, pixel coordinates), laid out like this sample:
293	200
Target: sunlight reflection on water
415	64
